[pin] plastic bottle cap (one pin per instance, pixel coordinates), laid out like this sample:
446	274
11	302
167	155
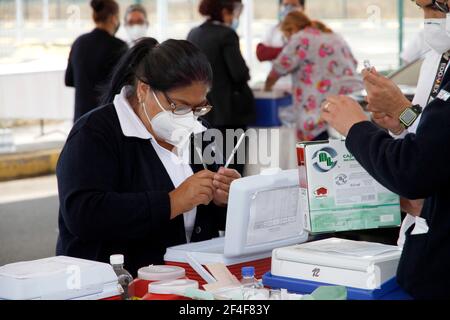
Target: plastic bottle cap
160	273
177	287
116	259
248	272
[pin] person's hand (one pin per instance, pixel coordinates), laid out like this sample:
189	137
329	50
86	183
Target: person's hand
342	112
387	122
413	207
222	181
271	80
383	95
194	191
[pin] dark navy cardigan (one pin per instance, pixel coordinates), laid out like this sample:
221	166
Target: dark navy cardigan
114	197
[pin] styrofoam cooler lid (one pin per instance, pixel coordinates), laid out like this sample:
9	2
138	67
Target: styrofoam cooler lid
160	273
57	278
177	287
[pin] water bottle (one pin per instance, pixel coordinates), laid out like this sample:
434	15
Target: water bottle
249	283
248	278
124	277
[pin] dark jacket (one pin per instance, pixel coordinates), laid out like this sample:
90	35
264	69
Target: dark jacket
230	94
416	168
114	197
91	61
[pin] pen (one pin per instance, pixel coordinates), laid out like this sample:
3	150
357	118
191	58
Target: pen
234	150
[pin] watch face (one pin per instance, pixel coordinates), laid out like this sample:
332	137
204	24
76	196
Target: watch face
408	117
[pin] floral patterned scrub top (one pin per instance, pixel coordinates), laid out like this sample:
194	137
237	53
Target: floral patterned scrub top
321	64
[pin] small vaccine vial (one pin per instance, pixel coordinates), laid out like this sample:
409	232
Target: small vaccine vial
367	65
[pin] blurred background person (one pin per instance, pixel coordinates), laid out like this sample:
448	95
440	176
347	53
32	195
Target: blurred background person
136	23
274	40
93	56
231	96
321	63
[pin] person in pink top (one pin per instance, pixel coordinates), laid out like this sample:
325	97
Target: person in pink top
321	63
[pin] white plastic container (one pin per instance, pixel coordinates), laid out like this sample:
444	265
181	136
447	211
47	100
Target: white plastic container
161	273
365	266
263	214
173	287
58	278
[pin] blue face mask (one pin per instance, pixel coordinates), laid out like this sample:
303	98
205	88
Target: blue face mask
285	10
235	24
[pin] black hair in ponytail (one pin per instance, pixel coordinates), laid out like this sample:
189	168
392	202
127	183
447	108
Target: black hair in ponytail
103	9
166	66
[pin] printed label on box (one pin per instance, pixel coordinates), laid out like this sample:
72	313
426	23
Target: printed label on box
337	194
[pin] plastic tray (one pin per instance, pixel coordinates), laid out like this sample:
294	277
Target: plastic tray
388	291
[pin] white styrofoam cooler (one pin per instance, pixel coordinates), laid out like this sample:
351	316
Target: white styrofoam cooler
365	271
58	278
262	214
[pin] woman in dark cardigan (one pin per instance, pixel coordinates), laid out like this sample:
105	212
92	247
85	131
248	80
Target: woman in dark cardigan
126	183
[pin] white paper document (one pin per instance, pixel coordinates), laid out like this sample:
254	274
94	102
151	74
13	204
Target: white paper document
274	215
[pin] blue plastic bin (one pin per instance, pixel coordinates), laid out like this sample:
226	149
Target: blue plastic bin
388	291
267	107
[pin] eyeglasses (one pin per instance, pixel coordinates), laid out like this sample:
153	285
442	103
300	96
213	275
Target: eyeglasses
443	7
183	109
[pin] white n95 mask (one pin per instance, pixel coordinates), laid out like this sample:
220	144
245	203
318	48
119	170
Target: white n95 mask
173	129
436	35
136	31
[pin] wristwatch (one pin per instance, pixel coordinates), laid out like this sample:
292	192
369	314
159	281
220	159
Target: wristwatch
410	115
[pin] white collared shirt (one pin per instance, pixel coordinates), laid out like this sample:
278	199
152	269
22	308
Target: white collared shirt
178	169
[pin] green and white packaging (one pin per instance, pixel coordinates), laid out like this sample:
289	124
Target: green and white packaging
337	194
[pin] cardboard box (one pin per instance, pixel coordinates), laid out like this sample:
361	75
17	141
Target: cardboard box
337	194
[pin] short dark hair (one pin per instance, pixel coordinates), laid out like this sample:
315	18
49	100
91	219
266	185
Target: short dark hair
213	8
103	9
136	7
170	65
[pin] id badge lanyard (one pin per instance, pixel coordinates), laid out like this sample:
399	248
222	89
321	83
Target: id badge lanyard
445	59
